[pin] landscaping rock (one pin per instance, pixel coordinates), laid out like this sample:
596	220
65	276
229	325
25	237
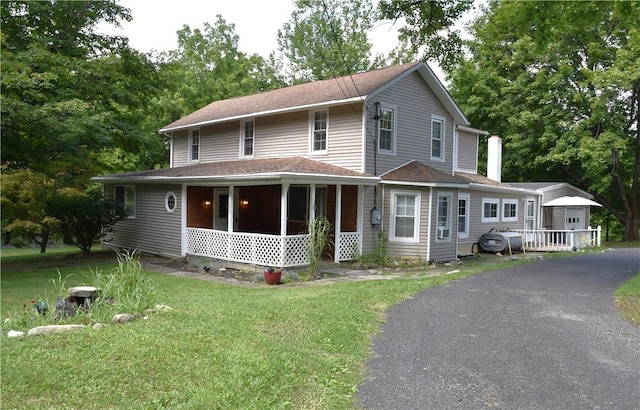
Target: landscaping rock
14	333
162	308
83	292
64	308
97	326
40	330
122	318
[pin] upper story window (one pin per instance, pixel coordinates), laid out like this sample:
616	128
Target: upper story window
246	138
319	129
405	216
509	210
194	146
490	210
437	138
443	217
387	131
125	197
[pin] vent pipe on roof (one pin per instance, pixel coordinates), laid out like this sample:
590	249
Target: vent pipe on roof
494	158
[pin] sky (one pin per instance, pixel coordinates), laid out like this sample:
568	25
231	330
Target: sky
257	22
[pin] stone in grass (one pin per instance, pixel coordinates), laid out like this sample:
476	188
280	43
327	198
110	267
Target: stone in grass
122	318
97	326
14	333
41	330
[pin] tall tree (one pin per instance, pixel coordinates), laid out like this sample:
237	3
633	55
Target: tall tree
429	30
326	38
69	94
560	81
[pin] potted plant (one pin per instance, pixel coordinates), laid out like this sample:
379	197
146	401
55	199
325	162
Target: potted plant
272	275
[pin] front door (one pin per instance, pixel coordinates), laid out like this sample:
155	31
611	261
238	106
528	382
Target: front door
221	209
574	218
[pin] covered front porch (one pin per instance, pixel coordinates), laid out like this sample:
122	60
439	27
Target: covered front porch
267	224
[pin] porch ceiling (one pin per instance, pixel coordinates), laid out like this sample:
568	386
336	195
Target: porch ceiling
295	169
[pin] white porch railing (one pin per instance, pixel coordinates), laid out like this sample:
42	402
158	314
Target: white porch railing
560	240
262	249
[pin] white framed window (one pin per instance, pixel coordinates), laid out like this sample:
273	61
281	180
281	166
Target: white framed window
490	209
405	216
247	134
125	197
319	130
170	202
437	138
463	215
194	145
443	217
509	210
387	131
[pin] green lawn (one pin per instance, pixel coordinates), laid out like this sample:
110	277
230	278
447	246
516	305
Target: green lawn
628	300
223	346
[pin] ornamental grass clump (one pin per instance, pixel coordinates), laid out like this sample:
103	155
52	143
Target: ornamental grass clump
319	231
124	289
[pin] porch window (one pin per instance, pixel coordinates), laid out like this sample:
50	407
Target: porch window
298	200
194	147
443	217
125	197
437	138
319	128
509	210
490	210
463	215
405	220
386	131
246	138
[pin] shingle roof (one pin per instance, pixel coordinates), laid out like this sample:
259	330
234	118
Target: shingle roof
481	179
239	168
302	95
417	172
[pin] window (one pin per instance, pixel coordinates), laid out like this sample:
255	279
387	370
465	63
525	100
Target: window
298	199
437	138
194	147
246	138
443	217
170	202
319	131
405	207
509	210
125	197
386	131
489	210
463	215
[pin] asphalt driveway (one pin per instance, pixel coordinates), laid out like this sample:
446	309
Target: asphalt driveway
544	335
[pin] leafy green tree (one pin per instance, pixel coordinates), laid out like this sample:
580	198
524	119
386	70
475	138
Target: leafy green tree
325	39
86	216
429	30
560	81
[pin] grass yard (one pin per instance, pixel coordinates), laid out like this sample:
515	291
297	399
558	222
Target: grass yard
628	300
223	346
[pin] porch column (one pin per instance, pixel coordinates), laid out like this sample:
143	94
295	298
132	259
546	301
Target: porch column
230	206
312	202
359	223
336	255
283	222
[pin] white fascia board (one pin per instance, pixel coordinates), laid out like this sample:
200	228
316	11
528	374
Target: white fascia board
425	184
265	113
471	130
490	188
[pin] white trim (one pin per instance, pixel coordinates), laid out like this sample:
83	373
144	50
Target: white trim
242	138
190	146
467	197
429	223
416	217
502	213
394	133
443	137
363	158
471	130
449	195
338	223
183	221
312	122
490	219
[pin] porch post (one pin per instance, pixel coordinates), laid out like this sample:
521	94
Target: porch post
312	202
230	216
336	253
283	222
359	223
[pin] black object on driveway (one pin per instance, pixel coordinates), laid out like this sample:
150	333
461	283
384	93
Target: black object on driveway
544	335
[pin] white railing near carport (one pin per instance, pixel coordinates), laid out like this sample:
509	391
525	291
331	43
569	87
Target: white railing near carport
547	240
263	249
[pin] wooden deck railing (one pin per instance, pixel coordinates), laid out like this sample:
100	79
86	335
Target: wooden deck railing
547	240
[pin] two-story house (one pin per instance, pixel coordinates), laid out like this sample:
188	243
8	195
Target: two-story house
384	155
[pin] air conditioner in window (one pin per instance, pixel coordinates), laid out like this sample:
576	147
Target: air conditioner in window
441	233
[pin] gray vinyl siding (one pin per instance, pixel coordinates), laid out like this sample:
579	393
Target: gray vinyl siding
467	152
444	251
281	135
369	232
154	230
406	249
414	104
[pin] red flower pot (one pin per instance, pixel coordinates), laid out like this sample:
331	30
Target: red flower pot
272	278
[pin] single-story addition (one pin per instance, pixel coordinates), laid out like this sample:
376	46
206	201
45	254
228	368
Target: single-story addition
383	155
